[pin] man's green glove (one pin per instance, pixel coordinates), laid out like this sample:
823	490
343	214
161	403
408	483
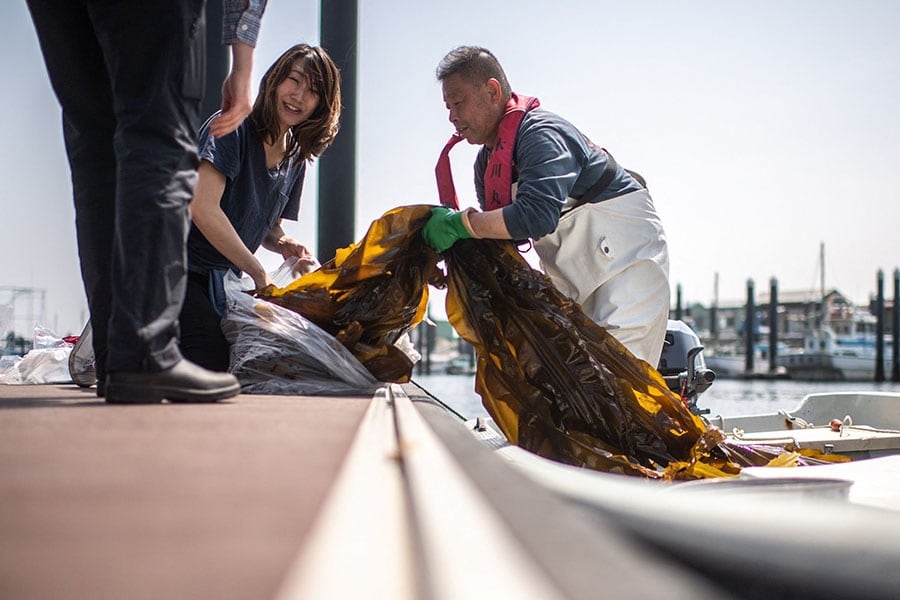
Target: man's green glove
444	227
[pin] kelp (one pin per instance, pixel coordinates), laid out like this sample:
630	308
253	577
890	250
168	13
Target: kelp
563	387
371	293
554	381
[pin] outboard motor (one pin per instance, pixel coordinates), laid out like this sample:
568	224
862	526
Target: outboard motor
682	366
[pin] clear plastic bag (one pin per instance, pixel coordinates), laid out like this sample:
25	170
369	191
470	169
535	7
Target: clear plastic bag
44	337
277	351
48	362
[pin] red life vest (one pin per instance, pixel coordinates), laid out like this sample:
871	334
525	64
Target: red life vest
498	174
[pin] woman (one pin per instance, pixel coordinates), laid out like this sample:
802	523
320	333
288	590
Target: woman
248	181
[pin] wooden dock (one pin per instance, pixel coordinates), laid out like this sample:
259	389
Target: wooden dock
289	497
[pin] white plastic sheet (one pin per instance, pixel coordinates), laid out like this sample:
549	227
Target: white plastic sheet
277	351
48	362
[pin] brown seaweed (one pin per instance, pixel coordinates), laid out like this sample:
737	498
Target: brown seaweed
562	387
555	382
372	292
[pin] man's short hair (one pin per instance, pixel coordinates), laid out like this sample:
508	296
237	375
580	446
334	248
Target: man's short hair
476	65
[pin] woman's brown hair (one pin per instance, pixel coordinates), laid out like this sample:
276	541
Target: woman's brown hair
312	136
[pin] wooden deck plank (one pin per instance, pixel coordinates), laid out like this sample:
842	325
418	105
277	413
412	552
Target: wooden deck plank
161	501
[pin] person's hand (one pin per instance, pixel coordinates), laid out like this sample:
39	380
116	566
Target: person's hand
306	262
444	228
261	278
236	105
237	100
304	266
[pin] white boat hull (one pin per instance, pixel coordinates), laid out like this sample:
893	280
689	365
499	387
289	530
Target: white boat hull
728	366
816	532
831	367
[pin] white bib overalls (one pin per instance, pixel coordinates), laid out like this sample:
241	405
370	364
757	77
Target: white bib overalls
611	258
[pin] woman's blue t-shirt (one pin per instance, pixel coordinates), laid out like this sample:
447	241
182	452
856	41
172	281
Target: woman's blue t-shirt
255	196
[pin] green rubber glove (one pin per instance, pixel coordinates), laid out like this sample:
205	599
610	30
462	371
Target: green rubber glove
444	227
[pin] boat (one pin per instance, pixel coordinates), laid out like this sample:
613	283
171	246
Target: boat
806	532
731	362
461	365
839	344
729	359
842	348
809	532
858	425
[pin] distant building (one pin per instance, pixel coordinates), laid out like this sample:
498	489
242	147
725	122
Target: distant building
797	313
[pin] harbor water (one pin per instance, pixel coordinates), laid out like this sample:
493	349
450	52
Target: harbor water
727	397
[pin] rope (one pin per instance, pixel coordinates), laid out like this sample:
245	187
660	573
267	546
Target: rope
871	429
804	424
845	424
438	400
739	435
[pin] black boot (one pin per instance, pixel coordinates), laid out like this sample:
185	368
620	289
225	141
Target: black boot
185	382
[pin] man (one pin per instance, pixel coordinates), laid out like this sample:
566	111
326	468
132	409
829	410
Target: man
129	78
594	227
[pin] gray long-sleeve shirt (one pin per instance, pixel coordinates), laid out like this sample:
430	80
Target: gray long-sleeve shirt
241	21
554	161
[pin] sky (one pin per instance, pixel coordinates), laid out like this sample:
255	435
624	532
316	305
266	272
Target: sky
764	129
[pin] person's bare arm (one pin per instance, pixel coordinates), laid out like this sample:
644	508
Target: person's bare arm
278	241
213	223
488	225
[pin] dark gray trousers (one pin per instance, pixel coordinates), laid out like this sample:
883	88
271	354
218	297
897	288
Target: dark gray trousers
129	76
